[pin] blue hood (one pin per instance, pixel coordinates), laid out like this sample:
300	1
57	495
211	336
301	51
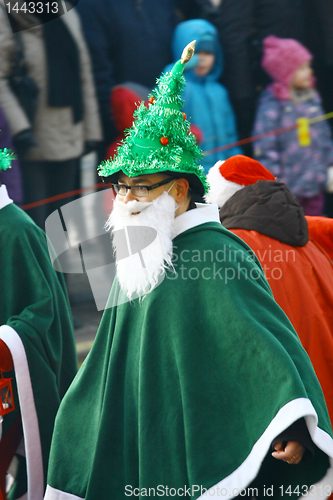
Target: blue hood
199	30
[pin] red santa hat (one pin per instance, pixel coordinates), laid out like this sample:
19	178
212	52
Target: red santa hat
227	177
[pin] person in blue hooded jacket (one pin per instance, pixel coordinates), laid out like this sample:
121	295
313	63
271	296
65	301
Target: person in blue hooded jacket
206	101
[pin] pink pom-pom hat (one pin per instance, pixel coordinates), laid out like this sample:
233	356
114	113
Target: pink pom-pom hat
282	57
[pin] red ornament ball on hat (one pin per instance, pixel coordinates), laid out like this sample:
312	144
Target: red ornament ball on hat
184	116
164	141
151	99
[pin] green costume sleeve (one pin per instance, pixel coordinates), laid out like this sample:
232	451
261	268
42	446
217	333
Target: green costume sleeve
37	327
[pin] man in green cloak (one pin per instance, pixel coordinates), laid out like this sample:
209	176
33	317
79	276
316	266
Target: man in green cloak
37	349
196	382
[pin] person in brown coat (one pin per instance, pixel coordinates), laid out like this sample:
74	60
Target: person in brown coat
66	122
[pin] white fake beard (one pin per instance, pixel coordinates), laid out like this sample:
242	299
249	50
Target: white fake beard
140	274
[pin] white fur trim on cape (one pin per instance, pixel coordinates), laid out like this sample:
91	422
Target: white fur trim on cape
4	198
220	190
53	494
33	449
192	218
248	470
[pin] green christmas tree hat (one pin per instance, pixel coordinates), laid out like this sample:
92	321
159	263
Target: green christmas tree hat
6	157
160	139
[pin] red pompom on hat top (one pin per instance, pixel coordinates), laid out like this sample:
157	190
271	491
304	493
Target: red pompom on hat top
244	170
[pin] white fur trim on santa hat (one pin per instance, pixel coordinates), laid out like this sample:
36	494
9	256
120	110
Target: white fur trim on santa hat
220	190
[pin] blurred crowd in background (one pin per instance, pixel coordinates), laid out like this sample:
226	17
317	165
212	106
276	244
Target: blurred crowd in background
88	68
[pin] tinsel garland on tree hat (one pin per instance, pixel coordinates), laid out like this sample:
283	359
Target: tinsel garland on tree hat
6	157
160	139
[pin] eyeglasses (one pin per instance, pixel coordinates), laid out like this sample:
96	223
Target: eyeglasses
138	191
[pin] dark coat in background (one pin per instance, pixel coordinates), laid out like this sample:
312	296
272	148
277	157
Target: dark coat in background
320	42
128	41
12	176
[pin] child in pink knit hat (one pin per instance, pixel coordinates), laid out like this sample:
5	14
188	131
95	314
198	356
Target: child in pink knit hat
302	165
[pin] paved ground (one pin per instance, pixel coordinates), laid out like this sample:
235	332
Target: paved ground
91	213
85	313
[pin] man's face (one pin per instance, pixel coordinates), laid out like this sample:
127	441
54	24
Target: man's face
144	180
152	214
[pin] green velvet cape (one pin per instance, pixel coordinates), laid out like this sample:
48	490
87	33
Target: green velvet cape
188	388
